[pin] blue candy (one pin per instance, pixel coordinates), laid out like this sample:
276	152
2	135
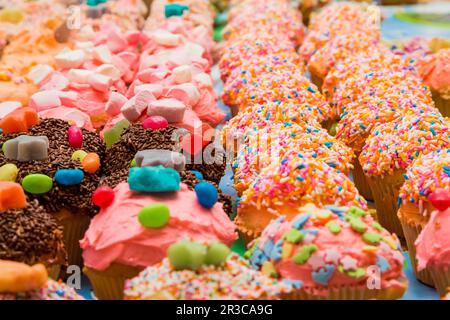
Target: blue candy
323	275
198	174
383	264
154	179
268	246
69	177
275	255
296	284
174	9
300	221
207	194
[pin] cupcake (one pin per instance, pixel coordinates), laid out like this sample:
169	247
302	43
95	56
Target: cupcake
336	253
203	271
19	281
433	243
434	70
287	184
29	234
425	179
57	164
141	218
388	152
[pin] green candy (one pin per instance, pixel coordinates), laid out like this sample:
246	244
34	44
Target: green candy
293	236
304	253
356	224
186	255
155	216
250	251
334	227
356	212
217	254
133	163
79	155
112	135
358	273
3	147
37	183
377	226
8	172
372	238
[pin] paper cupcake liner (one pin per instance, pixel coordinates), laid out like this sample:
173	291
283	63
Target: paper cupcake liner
317	80
441	278
385	193
74	228
441	103
109	284
411	232
349	293
398	2
246	235
54	271
360	180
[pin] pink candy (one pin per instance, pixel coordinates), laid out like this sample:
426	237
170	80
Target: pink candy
155	123
75	137
103	197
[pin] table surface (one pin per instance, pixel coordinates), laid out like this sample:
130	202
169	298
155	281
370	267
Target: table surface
392	28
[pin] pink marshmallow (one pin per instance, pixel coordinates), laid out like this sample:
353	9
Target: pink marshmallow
134	107
100	82
43	100
116	42
171	109
115	103
7	107
152	75
154	88
186	92
57	81
77	117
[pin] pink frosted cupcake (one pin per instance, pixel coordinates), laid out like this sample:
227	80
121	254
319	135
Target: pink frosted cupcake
332	253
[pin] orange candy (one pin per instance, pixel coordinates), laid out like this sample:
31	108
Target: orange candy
19	120
91	162
11	196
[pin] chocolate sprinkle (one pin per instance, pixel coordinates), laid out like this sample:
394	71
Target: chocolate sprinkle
77	198
31	236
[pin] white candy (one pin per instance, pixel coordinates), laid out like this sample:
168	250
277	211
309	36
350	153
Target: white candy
204	79
70	59
109	70
7	107
166	38
182	74
102	54
99	82
39	73
79	75
43	100
115	102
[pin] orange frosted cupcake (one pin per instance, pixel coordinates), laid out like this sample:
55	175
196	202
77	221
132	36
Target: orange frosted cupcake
336	253
287	184
425	181
435	72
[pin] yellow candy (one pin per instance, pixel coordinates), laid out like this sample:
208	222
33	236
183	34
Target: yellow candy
11	16
79	155
390	242
286	250
370	249
8	172
269	269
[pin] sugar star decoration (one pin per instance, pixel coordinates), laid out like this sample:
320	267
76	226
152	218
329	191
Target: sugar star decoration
317	260
348	263
332	256
309	238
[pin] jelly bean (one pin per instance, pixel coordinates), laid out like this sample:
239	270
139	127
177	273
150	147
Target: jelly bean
37	183
217	253
75	137
79	155
19	120
155	216
207	194
186	255
197	174
154	179
8	172
11	196
91	162
103	196
440	199
69	177
155	123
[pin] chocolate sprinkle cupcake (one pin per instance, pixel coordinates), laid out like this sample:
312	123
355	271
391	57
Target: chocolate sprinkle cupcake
135	138
76	199
31	236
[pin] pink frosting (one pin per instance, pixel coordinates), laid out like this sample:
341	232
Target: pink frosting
433	243
115	234
435	71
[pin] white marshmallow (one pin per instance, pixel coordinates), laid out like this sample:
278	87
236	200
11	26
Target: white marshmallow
7	107
182	74
79	75
204	79
109	70
70	59
102	54
39	73
166	38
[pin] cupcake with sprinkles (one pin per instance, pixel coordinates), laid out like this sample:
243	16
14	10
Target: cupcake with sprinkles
19	281
287	184
203	271
337	253
388	152
433	243
29	234
425	183
56	163
140	219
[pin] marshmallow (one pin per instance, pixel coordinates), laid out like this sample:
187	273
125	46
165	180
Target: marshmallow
182	74
152	75
186	92
43	100
79	75
71	115
57	81
134	107
27	148
7	107
165	38
109	70
68	98
130	58
100	82
116	42
204	79
115	103
159	157
171	109
102	54
39	73
154	88
70	59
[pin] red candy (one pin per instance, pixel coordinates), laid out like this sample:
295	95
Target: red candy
440	199
155	123
103	196
75	137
